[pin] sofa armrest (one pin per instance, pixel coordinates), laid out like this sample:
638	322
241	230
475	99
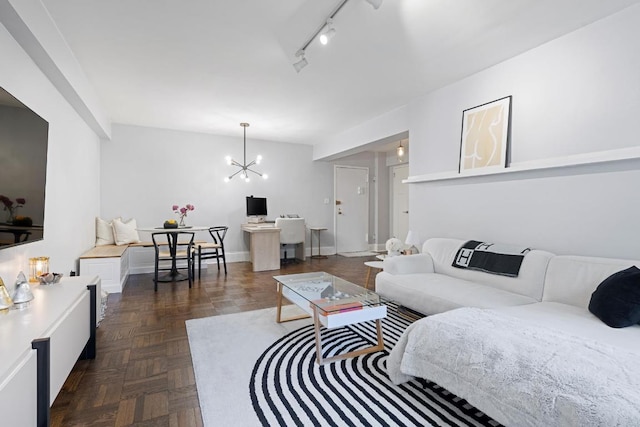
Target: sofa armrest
409	264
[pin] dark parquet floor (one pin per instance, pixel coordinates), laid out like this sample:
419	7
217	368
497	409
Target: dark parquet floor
143	374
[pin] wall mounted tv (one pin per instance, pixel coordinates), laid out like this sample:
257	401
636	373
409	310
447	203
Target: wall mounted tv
256	206
23	171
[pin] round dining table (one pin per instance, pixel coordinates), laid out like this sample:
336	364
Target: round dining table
174	274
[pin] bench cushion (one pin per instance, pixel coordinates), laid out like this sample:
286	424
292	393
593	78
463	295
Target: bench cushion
105	251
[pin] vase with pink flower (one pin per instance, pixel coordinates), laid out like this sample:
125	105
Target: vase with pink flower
182	212
12	207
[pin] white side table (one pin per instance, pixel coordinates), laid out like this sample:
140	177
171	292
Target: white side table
372	264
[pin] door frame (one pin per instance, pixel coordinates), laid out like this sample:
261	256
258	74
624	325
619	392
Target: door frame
335	206
392	170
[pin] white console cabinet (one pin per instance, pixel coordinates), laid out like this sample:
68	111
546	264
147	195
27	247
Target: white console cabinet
40	344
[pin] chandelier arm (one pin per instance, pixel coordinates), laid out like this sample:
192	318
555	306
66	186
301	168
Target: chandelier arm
234	163
240	170
257	173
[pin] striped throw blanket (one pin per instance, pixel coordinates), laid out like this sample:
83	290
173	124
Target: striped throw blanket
493	258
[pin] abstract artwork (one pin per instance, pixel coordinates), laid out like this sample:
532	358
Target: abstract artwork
485	135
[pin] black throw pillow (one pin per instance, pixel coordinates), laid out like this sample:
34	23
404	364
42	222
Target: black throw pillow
616	301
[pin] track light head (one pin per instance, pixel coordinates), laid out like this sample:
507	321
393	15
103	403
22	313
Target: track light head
301	63
375	3
328	33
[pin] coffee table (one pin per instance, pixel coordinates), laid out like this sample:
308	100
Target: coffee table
332	302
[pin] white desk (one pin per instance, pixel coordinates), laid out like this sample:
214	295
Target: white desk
264	246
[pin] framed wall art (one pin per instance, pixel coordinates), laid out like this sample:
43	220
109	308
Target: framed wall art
485	135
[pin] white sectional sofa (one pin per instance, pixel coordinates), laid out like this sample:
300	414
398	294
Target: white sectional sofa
428	283
527	351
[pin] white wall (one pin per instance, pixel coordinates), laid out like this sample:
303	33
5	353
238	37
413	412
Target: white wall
72	191
576	94
147	170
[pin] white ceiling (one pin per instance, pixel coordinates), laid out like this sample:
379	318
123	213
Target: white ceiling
207	65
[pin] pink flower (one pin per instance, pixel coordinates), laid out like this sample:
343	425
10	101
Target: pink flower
182	212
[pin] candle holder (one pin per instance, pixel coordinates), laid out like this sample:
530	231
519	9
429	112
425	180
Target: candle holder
37	267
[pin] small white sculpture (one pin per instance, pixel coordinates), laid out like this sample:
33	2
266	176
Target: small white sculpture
394	246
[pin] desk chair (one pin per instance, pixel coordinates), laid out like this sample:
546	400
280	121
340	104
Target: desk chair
171	247
211	250
292	232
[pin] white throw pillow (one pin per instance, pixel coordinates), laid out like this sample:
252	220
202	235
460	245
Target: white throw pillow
125	232
104	232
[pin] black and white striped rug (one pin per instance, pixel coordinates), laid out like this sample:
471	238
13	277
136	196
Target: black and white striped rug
289	388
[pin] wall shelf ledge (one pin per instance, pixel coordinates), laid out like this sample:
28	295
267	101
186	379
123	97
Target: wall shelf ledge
593	158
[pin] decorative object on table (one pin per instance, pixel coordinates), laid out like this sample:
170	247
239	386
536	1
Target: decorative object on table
394	246
170	223
22	221
414	242
5	300
485	135
22	293
37	267
244	167
12	207
182	212
50	278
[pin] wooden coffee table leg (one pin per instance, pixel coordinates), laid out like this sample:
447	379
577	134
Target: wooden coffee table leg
321	361
279	318
316	326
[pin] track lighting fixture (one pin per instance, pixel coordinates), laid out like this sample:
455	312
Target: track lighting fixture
328	33
301	63
325	31
375	3
244	167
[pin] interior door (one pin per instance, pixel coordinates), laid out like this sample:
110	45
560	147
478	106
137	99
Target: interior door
400	202
351	209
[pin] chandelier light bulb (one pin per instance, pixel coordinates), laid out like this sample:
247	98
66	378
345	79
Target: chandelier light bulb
265	176
258	159
226	179
400	150
228	160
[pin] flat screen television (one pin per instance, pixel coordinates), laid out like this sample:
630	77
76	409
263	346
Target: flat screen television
256	206
23	171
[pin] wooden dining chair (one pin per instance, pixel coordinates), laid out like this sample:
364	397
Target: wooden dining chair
172	250
214	249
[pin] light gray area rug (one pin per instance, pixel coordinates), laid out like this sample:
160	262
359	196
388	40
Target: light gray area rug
357	254
251	371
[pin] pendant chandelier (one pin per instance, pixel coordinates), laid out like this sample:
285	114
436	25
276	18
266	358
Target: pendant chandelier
244	167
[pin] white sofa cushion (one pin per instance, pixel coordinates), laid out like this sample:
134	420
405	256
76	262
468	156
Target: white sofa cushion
578	322
431	293
529	282
408	264
572	279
